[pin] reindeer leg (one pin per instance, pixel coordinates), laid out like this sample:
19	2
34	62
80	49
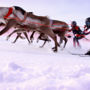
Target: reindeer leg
39	37
31	37
61	40
44	38
11	34
22	37
10	24
18	35
43	44
65	39
50	33
26	36
15	31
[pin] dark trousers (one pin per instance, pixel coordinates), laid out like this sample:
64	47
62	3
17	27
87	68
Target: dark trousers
76	41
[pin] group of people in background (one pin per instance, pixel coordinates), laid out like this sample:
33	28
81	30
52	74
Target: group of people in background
78	33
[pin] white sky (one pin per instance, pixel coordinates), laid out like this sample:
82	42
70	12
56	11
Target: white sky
65	10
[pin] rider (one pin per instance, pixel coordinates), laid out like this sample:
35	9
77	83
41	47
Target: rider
87	24
78	34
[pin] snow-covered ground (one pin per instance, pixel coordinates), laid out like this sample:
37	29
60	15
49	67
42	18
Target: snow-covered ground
28	67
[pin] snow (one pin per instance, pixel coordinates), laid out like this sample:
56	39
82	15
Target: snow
28	67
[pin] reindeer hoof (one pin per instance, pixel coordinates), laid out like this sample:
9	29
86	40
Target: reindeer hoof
49	40
41	46
58	45
55	50
7	38
13	42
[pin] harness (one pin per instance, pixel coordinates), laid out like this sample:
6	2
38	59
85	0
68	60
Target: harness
23	20
10	11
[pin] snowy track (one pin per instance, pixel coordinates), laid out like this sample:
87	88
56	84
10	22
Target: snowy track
28	67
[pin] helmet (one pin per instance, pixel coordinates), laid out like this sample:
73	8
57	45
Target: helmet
88	19
73	23
87	22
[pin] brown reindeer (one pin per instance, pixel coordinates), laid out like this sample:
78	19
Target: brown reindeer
12	12
59	28
31	23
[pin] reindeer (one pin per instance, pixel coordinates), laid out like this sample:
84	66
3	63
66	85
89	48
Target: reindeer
31	22
60	28
14	12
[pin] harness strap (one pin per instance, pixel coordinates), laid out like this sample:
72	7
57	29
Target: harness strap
9	13
51	22
78	35
25	15
17	18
